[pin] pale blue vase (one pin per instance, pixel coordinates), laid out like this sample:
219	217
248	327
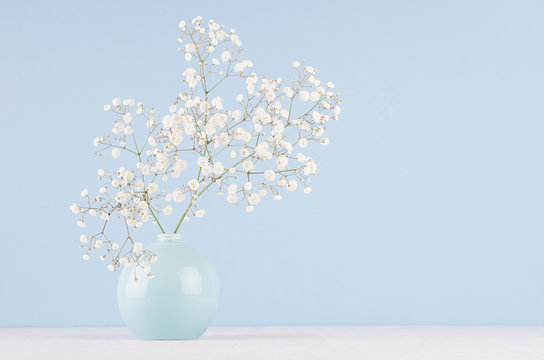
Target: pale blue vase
179	302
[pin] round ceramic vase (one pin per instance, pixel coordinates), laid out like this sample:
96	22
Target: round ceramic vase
179	302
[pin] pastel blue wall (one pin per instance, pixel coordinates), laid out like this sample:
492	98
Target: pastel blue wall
429	208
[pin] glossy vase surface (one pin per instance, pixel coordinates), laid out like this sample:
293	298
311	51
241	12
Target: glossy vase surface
179	302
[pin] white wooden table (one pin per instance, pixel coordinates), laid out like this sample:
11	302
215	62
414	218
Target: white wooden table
261	343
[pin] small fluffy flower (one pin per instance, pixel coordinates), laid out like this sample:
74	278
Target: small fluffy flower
303	142
254	199
304	95
111	267
296	64
177	195
292	185
269	175
85	257
83	238
107	107
98	244
247	165
153	187
127	118
307	190
137	247
81	224
84	193
167	210
200	213
249	208
116	102
226	56
115	152
194	184
101	172
248	185
277	197
218	168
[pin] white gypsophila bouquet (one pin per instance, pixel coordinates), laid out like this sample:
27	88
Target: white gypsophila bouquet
256	148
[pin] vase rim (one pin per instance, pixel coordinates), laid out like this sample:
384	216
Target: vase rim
169	237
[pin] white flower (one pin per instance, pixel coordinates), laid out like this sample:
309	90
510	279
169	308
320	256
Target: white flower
84	193
248	185
202	161
111	267
98	244
247	165
296	64
232	189
277	197
115	152
249	208
81	224
107	107
269	175
116	102
232	198
151	140
226	55
177	195
153	187
167	210
83	238
137	247
74	209
307	190
282	161
127	118
262	192
102	190
292	185
199	213
254	199
304	95
303	142
194	184
218	168
101	172
115	246
240	98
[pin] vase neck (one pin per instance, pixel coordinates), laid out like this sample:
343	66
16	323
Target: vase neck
169	237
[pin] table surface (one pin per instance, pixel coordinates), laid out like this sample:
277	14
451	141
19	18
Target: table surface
300	342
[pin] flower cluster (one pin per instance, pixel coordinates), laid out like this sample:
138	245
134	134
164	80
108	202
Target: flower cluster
248	145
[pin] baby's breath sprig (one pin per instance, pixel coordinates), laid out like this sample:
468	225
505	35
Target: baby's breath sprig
254	148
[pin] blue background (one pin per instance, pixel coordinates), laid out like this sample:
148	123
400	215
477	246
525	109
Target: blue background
429	205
